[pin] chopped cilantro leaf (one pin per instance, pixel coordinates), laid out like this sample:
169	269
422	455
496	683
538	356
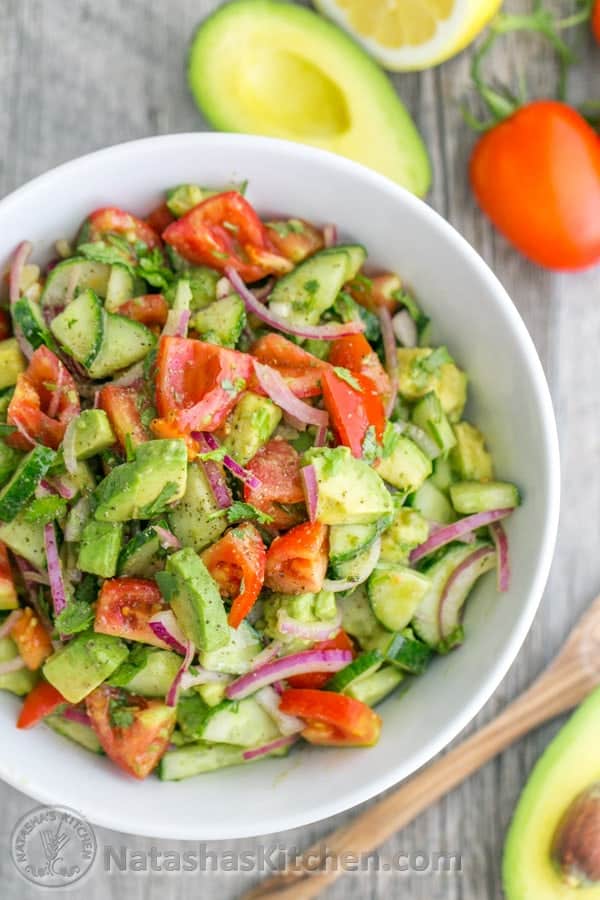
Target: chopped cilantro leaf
160	503
391	436
129	448
311	286
136	661
100	252
371	450
45	509
75	617
435	360
151	267
121	716
246	512
348	377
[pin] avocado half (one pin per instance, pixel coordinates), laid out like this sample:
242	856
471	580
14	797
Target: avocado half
567	768
276	69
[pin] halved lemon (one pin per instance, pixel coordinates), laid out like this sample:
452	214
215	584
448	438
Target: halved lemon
411	34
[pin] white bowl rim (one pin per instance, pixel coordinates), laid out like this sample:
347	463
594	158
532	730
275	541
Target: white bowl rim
127	821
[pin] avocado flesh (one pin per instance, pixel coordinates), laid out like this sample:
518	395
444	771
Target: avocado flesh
568	767
263	67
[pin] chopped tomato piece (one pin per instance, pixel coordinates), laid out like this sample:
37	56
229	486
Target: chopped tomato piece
332	719
8	593
112	220
134	731
41	701
159	218
277	466
149	309
32	640
44	402
297	560
222	231
124	607
198	384
5	325
353	410
354	353
237	563
295	239
316	680
373	293
121	406
301	370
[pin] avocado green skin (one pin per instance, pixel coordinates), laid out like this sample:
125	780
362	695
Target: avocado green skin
569	765
84	663
341	100
406	467
100	547
196	602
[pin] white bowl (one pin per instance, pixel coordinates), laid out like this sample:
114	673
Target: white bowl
509	398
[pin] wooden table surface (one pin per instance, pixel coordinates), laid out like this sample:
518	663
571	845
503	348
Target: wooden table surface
79	75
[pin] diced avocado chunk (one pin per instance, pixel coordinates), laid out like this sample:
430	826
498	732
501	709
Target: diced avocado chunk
84	663
183	198
469	458
408	529
319	607
429	415
195	599
143	554
416	379
222	322
452	390
234	657
26	539
202	282
250	426
476	496
406	467
147	671
213	692
395	593
19	682
349	491
93	433
100	547
12	362
115	496
192	520
9	460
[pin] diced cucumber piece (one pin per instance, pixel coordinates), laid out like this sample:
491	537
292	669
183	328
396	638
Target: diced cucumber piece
456	592
395	592
19	682
403	650
236	656
357	616
196	759
350	492
427	619
213	692
443	474
79	329
74	274
195	600
407	467
9	460
124	343
142	555
373	689
20	489
121	287
429	415
100	547
476	496
357	256
469	457
77	517
27	315
359	568
26	539
348	541
364	665
75	731
12	362
153	678
92	433
433	504
222	322
243	723
250	426
192	520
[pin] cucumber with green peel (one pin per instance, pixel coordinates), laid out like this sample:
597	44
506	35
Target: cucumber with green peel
457	590
480	496
362	667
348	541
143	554
27	315
9	460
15	495
153	677
195	759
433	504
360	567
122	286
243	723
403	650
429	415
124	343
236	656
377	686
72	276
78	732
395	592
79	328
222	322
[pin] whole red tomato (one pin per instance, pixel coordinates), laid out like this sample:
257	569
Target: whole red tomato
537	176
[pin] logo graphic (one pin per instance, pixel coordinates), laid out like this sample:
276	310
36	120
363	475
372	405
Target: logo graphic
52	846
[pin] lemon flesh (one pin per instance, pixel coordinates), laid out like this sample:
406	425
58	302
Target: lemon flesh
263	67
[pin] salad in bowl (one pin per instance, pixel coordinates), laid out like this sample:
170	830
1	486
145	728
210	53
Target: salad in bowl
240	504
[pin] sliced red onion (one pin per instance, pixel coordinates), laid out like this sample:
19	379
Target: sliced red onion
166	628
68	446
501	543
131	377
322	332
391	360
12	665
74	714
222	289
11	619
311	490
276	388
57	585
234	467
263	292
27	570
309	631
321	436
456	530
270	747
173	693
458	586
278	686
81	511
59	486
214	475
16	270
405	329
268	698
286	666
167	539
57	392
201	676
177	323
270	652
468	538
330	235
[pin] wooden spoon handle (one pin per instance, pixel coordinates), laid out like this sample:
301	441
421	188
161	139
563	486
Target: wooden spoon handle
320	864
